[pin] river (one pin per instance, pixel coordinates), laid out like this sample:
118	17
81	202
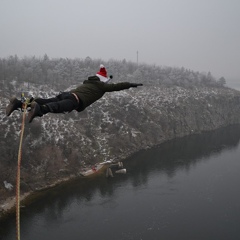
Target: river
186	189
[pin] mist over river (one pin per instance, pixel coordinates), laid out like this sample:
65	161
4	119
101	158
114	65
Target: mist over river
186	188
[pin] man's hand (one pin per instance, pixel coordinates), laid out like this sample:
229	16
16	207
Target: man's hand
135	84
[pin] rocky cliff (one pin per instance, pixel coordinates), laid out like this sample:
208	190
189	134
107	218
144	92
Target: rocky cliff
57	146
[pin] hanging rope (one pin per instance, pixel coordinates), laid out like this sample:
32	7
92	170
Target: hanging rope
24	108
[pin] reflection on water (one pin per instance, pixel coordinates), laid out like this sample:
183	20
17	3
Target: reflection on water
184	152
164	190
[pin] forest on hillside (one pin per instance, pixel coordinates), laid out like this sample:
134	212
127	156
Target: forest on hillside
60	73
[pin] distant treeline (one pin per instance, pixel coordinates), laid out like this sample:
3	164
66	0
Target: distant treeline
62	72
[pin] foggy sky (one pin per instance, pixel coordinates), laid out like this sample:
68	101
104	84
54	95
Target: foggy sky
198	35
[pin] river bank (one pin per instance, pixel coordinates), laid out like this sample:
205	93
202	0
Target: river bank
7	206
182	188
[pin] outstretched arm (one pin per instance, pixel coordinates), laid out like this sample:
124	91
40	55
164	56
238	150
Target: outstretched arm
136	84
120	86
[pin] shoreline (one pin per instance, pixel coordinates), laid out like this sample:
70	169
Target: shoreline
8	206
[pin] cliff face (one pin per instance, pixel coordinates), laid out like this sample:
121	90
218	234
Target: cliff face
57	146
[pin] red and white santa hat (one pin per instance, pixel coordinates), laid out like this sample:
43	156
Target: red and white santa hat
102	74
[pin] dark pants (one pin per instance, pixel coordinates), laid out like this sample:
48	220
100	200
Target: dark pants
64	102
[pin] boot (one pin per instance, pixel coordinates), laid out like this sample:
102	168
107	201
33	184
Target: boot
14	104
35	112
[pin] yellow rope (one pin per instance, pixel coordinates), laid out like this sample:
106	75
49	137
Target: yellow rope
18	174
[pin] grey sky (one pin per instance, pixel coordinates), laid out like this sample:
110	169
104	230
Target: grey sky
202	35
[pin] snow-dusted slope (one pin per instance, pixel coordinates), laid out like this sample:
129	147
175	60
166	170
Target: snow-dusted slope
121	123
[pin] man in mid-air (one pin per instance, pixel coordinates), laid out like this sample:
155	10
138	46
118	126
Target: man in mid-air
77	99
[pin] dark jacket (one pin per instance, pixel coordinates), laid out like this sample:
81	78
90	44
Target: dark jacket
93	89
